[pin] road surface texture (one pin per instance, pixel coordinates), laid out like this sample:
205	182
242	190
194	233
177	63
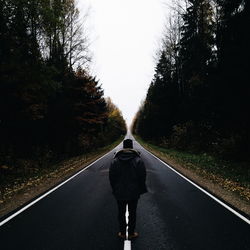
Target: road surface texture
81	214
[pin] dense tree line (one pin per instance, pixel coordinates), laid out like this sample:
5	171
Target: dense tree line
199	97
50	106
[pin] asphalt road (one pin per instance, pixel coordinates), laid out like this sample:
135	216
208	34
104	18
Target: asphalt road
81	214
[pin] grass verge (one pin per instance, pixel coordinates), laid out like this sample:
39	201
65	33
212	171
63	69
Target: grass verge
209	171
22	186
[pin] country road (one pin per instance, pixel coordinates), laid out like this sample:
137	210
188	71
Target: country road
81	214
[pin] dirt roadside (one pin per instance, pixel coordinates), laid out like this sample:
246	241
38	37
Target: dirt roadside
19	194
212	185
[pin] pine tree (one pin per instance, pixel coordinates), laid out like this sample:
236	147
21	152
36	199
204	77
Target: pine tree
232	88
196	53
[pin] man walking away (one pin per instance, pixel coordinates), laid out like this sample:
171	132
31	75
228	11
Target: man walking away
127	175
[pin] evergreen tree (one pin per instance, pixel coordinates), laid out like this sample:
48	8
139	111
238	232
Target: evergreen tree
196	55
160	103
47	108
209	68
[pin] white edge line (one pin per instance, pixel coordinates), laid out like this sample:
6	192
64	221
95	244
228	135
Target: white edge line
50	191
204	191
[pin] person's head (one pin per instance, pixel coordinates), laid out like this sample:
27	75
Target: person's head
128	143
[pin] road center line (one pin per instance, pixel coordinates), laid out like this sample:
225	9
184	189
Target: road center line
203	190
127	243
49	192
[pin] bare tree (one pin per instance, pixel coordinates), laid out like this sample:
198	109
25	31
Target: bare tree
63	33
172	38
74	35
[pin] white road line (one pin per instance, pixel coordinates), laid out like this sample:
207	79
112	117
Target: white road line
127	243
203	190
47	193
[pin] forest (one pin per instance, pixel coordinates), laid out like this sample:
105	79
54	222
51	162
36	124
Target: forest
51	107
199	97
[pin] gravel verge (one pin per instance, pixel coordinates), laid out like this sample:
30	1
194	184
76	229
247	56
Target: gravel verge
213	184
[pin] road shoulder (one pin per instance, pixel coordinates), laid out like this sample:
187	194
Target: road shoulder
212	185
19	194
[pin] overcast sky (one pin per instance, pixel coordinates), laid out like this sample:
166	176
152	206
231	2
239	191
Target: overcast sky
125	35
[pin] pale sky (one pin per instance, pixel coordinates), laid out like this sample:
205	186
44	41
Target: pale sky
125	35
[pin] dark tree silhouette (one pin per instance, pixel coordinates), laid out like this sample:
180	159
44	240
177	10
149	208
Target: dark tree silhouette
200	96
48	108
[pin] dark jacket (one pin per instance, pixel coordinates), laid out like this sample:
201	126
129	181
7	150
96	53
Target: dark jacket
127	175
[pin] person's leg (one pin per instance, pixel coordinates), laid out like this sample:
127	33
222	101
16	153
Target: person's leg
122	216
132	206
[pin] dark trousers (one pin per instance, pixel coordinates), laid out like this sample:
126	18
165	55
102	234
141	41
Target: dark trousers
132	205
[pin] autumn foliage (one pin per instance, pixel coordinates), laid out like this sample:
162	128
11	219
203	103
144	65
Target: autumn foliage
50	108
